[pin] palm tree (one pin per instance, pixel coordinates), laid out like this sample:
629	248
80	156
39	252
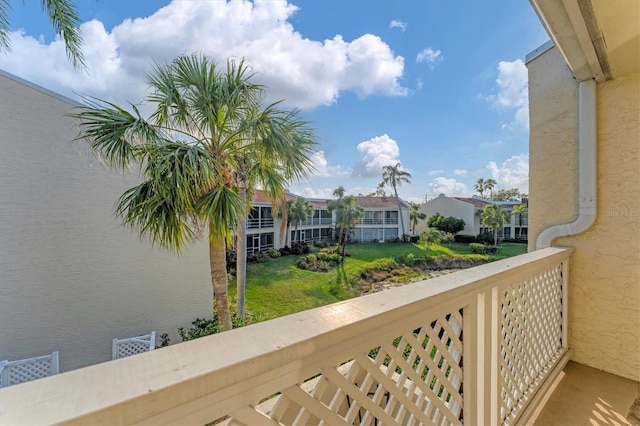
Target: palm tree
489	184
392	176
208	127
415	215
479	187
348	213
299	211
520	210
493	216
64	19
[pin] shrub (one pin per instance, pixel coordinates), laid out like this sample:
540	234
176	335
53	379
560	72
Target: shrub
465	239
491	249
262	257
285	251
303	263
485	238
207	326
321	263
483	248
164	341
321	244
273	253
405	259
477	248
448	237
322	266
299	247
445	224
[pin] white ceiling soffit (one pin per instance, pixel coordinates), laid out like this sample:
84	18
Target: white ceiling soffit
574	30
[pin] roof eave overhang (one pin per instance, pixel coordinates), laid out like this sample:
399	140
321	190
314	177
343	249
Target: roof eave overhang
574	30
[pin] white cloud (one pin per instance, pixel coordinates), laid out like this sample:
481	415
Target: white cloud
460	172
430	56
307	73
419	84
398	24
435	172
322	169
512	92
376	153
308	192
447	186
513	173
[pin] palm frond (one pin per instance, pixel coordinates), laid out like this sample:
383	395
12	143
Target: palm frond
152	214
65	20
163	207
5	7
114	134
222	206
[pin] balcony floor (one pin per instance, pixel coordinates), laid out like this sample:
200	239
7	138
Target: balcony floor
585	396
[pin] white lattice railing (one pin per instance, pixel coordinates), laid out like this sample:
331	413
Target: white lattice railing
475	347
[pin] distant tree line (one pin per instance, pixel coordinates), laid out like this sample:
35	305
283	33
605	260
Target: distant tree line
487	185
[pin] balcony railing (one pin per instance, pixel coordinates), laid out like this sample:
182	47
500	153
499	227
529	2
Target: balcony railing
476	347
378	221
260	223
317	221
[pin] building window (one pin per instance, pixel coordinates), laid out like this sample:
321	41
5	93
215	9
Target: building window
391	217
259	242
260	217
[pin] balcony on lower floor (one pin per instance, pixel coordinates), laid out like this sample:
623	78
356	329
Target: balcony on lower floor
479	346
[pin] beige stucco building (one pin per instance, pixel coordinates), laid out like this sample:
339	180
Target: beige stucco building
71	278
469	209
585	171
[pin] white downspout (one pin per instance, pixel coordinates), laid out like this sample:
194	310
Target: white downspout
587	201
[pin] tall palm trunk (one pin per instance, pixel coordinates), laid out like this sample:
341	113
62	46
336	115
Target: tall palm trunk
241	241
284	226
343	243
218	265
241	261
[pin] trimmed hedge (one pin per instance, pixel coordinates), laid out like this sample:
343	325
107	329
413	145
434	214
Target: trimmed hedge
464	239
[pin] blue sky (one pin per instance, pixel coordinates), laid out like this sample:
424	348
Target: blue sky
439	86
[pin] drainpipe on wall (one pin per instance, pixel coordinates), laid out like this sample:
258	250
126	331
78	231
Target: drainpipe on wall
587	191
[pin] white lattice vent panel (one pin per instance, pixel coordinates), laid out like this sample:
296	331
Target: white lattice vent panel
20	373
531	331
414	379
132	348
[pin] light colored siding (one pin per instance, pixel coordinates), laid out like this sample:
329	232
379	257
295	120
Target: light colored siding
448	206
71	278
604	296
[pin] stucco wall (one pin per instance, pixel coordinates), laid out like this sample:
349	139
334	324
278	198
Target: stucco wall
447	206
71	278
604	291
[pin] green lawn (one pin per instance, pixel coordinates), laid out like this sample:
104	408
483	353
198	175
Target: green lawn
278	287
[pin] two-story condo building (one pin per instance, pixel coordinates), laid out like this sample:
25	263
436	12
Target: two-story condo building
380	222
469	209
